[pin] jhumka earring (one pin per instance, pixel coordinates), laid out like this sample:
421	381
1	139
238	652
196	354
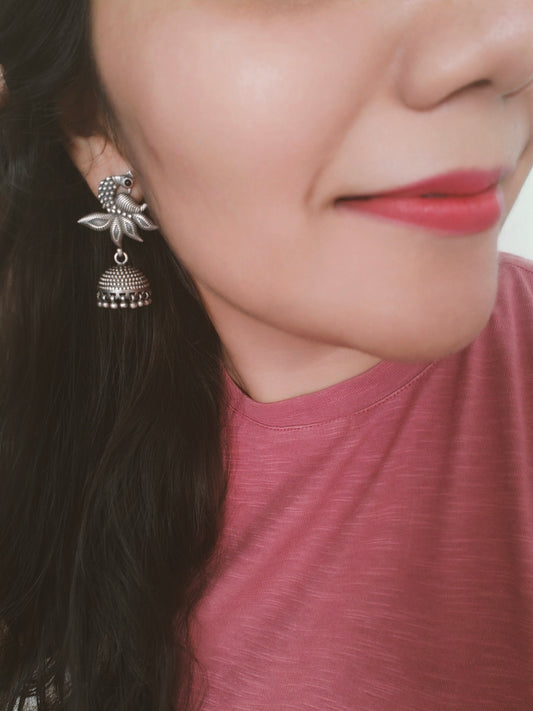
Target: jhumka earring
121	286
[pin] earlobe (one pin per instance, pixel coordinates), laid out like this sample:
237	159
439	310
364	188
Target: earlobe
96	157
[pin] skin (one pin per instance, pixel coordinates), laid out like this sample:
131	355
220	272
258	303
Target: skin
244	120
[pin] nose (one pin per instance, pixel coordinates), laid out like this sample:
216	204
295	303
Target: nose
454	45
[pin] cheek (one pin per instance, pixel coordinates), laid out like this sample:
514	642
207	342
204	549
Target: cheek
230	133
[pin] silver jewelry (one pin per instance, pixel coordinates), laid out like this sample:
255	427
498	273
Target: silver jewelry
121	286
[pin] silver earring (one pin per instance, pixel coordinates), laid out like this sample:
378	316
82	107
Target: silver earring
121	286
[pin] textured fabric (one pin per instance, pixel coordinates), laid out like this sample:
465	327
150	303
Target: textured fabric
378	549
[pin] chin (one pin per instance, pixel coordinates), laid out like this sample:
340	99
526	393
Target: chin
425	342
435	346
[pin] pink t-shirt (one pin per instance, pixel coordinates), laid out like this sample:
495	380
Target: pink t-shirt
378	549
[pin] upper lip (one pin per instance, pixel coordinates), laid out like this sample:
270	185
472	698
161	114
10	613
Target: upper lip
456	182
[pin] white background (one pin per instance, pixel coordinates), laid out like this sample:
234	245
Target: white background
517	233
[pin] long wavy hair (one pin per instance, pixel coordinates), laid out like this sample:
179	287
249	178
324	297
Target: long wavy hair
113	466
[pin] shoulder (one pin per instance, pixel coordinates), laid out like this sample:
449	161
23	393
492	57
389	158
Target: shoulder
516	261
503	351
513	311
515	272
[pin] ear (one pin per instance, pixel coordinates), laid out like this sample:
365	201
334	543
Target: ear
96	157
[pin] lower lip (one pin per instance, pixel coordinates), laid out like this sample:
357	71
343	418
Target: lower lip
454	215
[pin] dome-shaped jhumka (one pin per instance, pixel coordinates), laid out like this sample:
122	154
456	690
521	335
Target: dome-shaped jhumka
122	287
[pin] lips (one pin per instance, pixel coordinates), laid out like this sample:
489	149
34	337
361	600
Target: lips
458	182
459	202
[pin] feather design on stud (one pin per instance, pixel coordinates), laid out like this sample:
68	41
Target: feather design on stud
123	214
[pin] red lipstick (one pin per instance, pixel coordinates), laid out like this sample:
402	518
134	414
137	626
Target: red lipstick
457	203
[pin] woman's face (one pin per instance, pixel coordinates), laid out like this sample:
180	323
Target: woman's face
245	120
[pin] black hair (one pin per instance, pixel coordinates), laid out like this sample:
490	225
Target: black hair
113	463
